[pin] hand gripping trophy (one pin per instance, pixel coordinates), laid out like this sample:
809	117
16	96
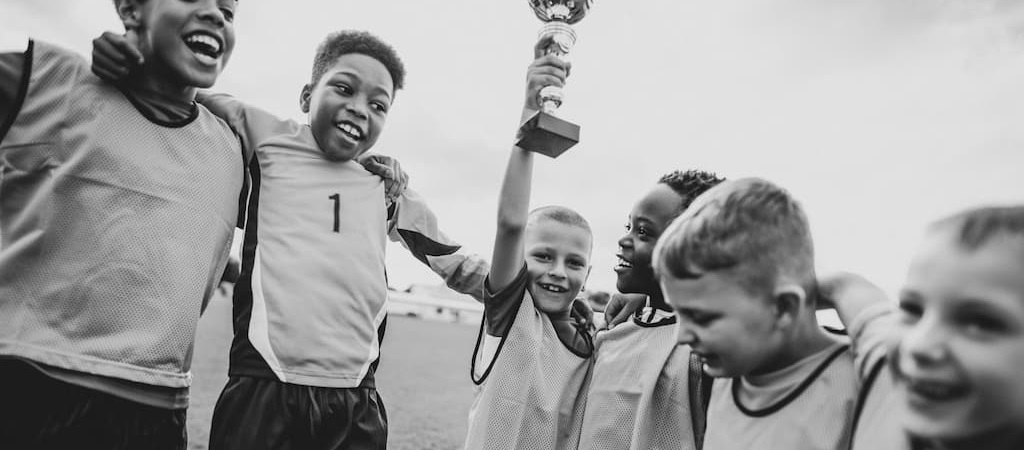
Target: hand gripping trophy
544	132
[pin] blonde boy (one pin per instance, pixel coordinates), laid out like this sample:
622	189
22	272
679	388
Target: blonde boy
534	350
954	375
738	269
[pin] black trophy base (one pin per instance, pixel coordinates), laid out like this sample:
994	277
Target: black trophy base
547	135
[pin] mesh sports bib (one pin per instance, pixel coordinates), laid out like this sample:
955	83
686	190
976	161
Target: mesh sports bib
816	415
637	398
114	230
531	398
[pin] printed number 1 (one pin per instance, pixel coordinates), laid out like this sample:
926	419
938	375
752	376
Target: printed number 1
337	212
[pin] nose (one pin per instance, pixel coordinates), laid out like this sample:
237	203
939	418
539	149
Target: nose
625	241
557	271
210	12
357	108
924	343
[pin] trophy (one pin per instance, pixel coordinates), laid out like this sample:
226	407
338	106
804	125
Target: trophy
545	133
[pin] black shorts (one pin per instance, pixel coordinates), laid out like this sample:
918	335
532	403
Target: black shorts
257	413
39	412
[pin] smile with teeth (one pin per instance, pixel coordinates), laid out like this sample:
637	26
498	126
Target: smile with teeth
351	131
552	288
624	263
205	46
936	391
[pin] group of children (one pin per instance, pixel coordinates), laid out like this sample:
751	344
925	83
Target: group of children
119	195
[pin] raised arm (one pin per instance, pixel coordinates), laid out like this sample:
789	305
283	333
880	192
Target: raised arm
514	199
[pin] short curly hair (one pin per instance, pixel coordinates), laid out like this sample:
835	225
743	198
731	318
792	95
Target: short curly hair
345	42
690	184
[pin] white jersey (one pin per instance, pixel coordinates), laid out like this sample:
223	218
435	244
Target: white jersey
876	422
638	393
309	305
529	398
815	414
114	230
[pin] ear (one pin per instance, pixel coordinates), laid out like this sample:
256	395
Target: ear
304	96
130	13
788	302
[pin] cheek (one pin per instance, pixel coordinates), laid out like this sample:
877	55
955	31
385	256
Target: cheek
375	128
996	373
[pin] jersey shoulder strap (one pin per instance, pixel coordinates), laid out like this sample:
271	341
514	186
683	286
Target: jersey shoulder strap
699	388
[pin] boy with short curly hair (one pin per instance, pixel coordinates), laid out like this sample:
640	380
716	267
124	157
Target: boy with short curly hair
638	394
309	306
117	211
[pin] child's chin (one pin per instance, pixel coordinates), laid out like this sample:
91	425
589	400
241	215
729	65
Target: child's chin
552	306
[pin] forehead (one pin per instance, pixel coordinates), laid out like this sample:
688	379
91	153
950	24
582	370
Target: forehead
568	239
711	291
364	67
659	205
943	267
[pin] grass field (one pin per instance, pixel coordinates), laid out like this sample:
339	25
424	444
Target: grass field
423	378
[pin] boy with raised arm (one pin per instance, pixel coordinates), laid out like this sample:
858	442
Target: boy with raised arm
534	349
737	267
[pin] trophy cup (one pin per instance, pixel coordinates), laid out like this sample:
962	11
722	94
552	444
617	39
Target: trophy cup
545	133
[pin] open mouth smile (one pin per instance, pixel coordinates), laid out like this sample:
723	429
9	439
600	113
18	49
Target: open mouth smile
622	264
553	288
351	131
207	47
936	391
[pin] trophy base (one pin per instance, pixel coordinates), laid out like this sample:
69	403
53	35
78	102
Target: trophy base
547	135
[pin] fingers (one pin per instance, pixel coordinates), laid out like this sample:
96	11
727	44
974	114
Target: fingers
108	69
114	56
618	316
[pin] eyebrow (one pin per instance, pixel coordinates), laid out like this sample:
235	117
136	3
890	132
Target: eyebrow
347	74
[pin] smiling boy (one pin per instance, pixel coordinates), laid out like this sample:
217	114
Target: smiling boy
957	339
534	349
117	209
738	269
309	307
638	395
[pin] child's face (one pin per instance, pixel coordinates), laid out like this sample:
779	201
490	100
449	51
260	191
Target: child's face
960	365
558	262
349	105
188	42
650	216
733	331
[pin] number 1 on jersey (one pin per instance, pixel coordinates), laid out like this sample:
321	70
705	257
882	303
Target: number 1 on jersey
337	210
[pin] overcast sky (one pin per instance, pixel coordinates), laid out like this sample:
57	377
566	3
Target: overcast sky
879	115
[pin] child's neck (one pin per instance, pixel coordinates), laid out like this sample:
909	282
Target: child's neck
806	339
657	301
161	98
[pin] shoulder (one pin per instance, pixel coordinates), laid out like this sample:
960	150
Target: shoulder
46	55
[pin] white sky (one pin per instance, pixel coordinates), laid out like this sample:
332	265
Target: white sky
880	115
